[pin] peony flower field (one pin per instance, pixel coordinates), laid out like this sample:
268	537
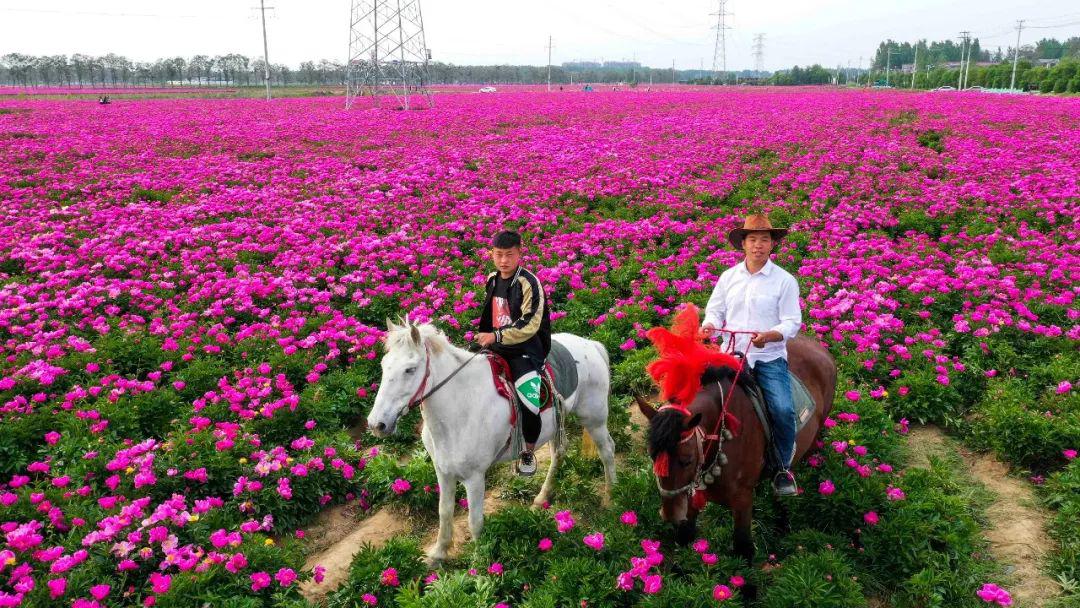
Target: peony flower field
193	292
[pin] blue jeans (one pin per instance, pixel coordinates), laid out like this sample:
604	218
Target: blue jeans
772	377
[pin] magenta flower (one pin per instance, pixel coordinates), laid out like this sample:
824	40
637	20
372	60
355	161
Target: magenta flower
1069	454
1063	387
624	582
160	583
826	487
389	577
369	599
629	518
653	583
894	493
100	592
544	544
495	568
991	593
259	580
594	541
400	486
871	518
852	395
721	593
285	576
700	545
564	521
737	581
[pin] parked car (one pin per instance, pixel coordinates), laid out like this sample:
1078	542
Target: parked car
945	88
488	90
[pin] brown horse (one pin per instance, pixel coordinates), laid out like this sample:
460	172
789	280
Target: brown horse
691	453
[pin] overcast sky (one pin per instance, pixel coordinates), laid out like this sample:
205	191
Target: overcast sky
830	32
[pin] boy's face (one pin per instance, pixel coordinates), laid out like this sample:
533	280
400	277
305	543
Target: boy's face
506	260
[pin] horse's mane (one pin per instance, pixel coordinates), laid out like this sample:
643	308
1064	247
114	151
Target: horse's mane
684	358
400	337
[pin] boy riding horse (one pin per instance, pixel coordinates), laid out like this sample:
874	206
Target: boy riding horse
758	296
515	323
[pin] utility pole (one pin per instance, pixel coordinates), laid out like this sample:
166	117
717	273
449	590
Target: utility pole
888	64
549	63
266	52
858	77
963	45
1016	54
967	70
672	71
720	46
915	66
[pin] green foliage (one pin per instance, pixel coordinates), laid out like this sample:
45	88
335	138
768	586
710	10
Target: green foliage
400	553
932	139
822	579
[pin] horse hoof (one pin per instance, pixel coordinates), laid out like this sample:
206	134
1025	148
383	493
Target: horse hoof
434	562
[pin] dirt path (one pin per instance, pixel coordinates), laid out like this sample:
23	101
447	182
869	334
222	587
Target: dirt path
1017	531
337	536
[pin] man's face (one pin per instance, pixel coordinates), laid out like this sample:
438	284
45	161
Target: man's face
506	260
758	246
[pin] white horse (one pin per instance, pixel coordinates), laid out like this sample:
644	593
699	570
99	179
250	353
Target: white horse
467	422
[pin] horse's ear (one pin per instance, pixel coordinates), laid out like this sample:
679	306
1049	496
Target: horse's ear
646	410
414	331
694	421
391	326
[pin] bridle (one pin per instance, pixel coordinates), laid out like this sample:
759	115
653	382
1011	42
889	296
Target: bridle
419	397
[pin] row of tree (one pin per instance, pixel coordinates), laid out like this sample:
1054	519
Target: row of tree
945	51
237	70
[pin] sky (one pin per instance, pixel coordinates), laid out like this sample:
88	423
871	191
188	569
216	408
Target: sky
829	32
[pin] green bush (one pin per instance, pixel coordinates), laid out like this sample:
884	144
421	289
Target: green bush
823	579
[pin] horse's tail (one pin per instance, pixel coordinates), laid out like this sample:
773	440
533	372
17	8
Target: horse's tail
588	446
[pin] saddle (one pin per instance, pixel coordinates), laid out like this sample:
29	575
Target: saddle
559	378
804	406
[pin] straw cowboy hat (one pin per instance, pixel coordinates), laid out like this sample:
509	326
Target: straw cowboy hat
754	223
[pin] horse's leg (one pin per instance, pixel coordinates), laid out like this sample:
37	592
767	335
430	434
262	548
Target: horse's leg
447	487
549	481
742	509
605	445
474	493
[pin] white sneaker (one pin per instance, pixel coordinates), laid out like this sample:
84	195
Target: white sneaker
526	465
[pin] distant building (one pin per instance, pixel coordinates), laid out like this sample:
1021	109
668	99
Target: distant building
1047	63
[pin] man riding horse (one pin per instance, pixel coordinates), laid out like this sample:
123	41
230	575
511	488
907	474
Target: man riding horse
515	323
758	295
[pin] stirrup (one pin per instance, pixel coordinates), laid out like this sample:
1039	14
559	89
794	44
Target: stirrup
784	484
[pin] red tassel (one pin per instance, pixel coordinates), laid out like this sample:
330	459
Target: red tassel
660	467
732	423
699	500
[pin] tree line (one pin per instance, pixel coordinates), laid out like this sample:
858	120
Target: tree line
112	70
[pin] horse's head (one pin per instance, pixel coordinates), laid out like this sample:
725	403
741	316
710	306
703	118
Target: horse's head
405	370
677	446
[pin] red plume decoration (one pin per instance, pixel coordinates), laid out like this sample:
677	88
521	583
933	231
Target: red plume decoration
683	358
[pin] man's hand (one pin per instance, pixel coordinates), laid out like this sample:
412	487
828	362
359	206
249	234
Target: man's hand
761	338
484	339
707	330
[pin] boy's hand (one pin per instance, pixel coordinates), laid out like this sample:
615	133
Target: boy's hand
484	339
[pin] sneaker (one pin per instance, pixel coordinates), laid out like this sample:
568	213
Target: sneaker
526	464
784	484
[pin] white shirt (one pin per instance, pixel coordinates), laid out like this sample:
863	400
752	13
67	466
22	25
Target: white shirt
767	300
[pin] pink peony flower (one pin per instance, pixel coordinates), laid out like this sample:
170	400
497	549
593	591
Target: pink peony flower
259	580
285	576
991	593
594	541
653	583
400	486
544	544
826	487
871	518
389	577
721	593
629	518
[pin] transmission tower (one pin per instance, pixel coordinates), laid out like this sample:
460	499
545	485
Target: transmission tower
387	56
719	60
759	53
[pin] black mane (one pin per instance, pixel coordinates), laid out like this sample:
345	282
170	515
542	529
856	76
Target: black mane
666	427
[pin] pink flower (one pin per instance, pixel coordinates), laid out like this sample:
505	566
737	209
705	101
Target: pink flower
991	593
701	545
653	583
737	581
871	518
852	395
628	345
544	544
160	583
52	437
389	577
1069	454
1063	387
318	574
710	559
629	518
594	541
57	587
496	568
369	599
625	581
100	591
285	576
894	493
259	580
721	593
400	486
826	487
564	521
